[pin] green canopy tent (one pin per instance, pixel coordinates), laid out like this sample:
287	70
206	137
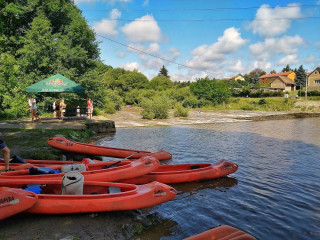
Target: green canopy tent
55	84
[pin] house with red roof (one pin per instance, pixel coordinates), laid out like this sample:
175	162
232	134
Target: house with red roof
268	78
279	81
314	80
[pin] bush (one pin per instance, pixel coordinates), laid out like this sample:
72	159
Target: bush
191	102
158	107
180	111
262	102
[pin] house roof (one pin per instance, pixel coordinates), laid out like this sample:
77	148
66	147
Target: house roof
286	80
234	77
318	68
276	74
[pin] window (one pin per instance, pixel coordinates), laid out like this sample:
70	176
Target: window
317	81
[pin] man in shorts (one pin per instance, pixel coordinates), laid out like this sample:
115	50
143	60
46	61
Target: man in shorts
6	154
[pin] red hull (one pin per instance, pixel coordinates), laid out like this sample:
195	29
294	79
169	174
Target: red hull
13	201
179	173
91	149
223	232
96	172
96	197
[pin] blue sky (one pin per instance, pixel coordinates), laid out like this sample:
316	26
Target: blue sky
213	38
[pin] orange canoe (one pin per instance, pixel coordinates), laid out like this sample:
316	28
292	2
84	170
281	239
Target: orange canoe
13	201
104	171
91	149
27	163
223	232
99	197
178	173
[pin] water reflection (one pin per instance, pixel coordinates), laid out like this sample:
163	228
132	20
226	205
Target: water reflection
220	184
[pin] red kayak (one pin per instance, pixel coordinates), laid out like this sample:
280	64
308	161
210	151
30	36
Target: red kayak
178	173
27	163
223	232
91	149
98	197
13	201
104	171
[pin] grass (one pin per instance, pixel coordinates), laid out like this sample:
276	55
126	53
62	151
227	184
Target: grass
32	143
265	104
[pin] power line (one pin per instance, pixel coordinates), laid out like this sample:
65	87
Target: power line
204	20
199	9
150	54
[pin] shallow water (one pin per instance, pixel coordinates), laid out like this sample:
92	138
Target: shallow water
275	194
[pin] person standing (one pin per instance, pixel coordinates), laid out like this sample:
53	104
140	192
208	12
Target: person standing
34	110
6	153
30	106
90	107
57	109
62	108
54	108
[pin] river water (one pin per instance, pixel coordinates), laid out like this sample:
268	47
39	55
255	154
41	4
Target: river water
275	194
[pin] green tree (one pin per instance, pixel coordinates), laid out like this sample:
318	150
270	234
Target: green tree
300	77
156	107
38	55
13	102
163	72
44	38
133	80
287	69
215	91
160	83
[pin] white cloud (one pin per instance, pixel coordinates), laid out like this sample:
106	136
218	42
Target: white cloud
144	29
291	59
277	20
205	56
115	14
107	26
264	65
152	48
131	66
150	62
283	45
190	76
236	66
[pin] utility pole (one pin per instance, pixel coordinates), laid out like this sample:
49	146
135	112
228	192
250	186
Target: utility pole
306	92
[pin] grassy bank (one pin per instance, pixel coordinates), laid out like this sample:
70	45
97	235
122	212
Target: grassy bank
271	104
32	143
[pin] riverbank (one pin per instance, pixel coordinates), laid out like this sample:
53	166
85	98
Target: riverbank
130	117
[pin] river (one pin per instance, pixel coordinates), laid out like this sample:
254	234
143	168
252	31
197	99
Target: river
275	194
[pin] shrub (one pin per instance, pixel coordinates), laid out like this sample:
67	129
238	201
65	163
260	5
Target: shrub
157	107
180	111
191	102
262	102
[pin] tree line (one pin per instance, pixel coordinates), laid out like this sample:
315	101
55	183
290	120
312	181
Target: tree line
39	39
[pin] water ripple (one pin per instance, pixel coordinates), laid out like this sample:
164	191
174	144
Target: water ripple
273	195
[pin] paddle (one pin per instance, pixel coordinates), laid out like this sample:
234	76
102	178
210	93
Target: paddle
114	164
